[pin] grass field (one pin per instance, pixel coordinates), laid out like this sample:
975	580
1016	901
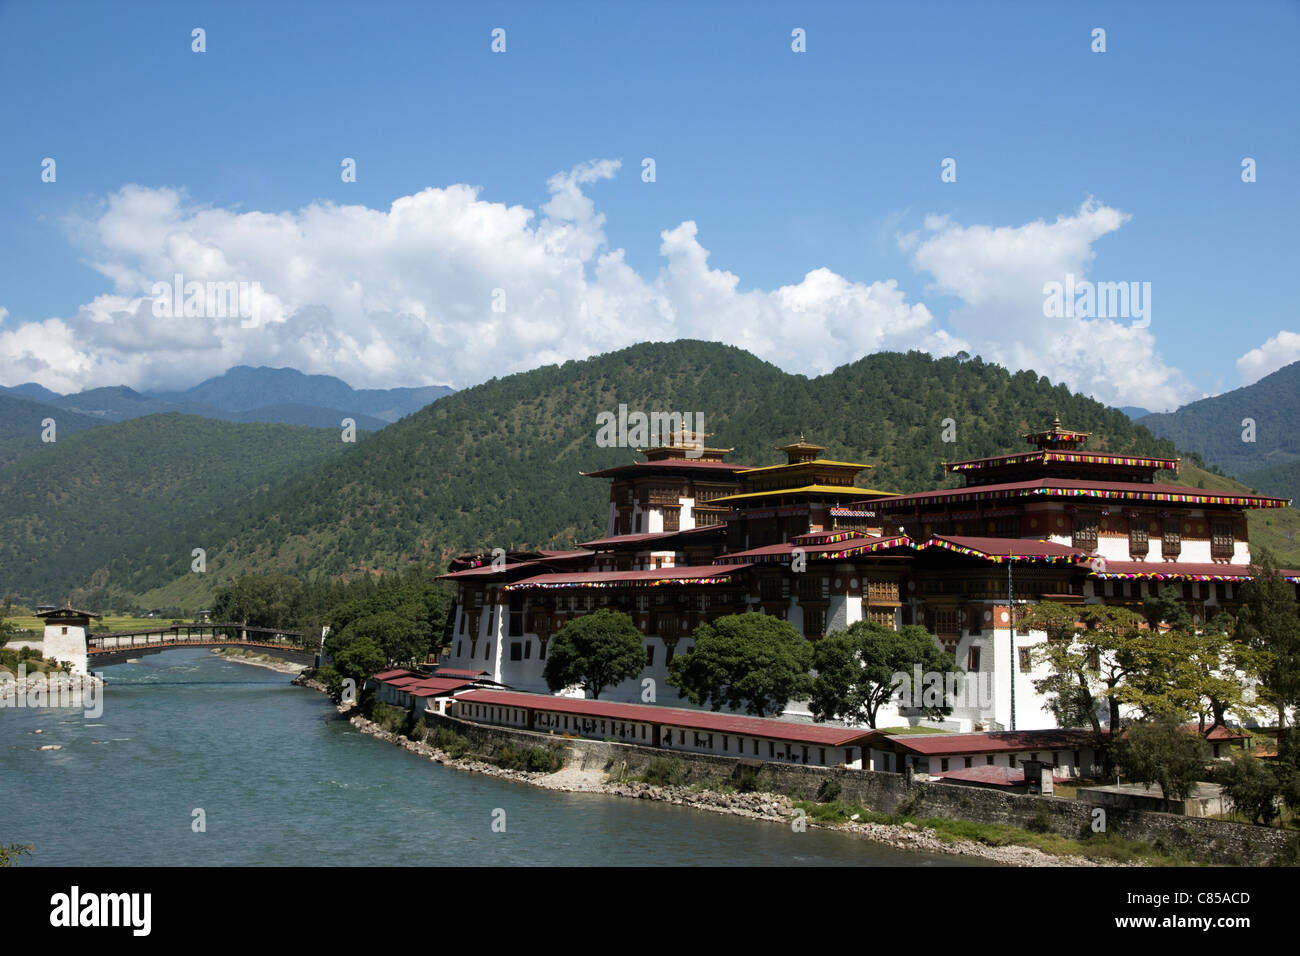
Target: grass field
111	622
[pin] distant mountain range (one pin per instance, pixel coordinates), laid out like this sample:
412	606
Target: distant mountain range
1249	433
243	394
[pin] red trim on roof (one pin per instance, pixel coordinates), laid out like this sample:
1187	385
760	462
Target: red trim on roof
818	734
1071	487
682	574
946	745
650	536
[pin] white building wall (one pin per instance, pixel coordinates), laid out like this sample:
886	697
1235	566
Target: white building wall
688	514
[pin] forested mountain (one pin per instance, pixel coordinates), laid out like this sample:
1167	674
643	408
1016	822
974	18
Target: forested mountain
244	388
131	487
498	464
243	394
1213	427
21	428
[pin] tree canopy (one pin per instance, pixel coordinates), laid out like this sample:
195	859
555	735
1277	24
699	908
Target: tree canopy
857	670
596	650
755	662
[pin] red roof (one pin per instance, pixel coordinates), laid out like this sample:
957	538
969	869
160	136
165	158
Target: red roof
453	672
858	544
1071	487
1043	456
388	675
682	574
945	745
809	733
435	687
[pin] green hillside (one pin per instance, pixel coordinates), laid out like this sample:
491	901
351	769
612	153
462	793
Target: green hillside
499	463
130	487
1213	428
21	428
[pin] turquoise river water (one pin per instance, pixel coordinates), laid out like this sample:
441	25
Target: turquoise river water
281	781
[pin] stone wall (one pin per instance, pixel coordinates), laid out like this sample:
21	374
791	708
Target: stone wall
1215	841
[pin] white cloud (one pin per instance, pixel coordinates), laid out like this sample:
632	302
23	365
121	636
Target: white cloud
1281	350
406	295
998	273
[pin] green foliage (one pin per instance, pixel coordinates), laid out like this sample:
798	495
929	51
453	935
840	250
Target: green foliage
329	676
1212	426
391	719
149	490
747	778
750	661
7	628
270	600
829	791
661	772
446	478
858	667
1252	786
596	650
11	852
1163	752
359	660
403	640
530	759
451	743
1267	621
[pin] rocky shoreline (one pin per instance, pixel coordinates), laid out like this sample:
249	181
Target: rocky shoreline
15	692
772	807
253	659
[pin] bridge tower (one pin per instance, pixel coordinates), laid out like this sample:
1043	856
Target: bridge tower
65	635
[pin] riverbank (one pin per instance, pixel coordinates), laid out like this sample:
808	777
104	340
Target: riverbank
769	807
242	655
53	689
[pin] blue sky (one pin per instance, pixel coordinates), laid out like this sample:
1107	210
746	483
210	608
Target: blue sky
227	164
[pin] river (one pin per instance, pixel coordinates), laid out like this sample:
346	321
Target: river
279	780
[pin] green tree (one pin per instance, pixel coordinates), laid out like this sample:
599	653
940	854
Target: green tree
1163	752
1267	621
858	669
359	660
402	639
752	661
6	626
596	650
261	600
1251	785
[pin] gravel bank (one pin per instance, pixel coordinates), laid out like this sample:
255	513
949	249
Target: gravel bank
771	807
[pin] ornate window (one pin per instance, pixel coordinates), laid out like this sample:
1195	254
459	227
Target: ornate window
1222	545
814	622
1138	538
1171	540
1085	532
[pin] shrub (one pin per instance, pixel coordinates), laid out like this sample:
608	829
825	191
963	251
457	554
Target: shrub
531	759
665	773
747	778
388	718
829	791
1041	822
453	744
